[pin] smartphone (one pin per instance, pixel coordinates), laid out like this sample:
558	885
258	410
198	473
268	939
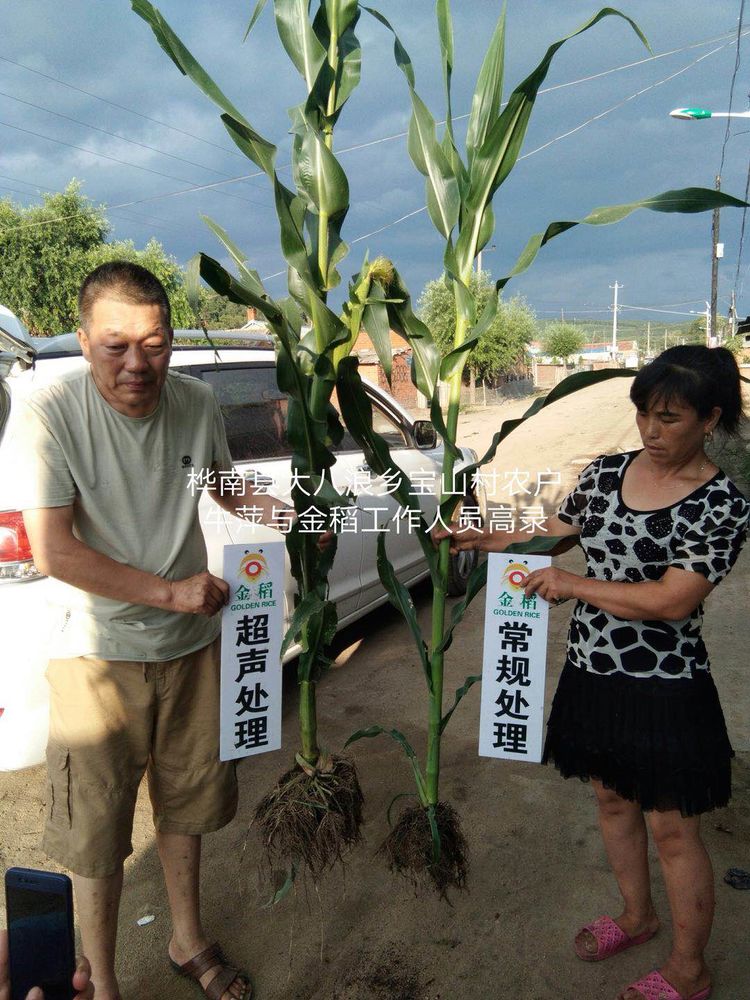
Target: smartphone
40	933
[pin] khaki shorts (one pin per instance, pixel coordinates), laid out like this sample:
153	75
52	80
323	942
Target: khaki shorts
111	721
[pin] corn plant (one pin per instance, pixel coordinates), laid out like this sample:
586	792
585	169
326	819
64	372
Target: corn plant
426	840
315	811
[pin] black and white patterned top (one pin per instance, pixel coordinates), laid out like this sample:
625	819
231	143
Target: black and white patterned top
702	533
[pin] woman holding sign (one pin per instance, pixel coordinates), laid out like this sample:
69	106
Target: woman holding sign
636	711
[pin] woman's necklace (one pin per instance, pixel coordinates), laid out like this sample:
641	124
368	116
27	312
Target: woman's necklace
672	485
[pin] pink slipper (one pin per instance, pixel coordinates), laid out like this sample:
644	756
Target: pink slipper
655	987
610	938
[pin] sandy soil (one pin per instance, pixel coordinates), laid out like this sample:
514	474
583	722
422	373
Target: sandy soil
538	870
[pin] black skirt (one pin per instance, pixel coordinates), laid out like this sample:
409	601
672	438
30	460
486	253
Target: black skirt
662	743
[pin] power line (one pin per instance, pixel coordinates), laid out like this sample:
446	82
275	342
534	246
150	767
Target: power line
121	107
114	135
731	86
126	163
626	100
217	184
653	310
40	189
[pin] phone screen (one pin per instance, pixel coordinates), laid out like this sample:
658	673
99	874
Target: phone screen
41	946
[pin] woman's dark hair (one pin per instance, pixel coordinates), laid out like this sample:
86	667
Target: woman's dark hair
693	375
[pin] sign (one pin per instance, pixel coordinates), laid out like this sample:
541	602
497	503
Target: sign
515	656
252	628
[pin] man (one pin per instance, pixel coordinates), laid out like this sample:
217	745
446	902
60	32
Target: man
134	674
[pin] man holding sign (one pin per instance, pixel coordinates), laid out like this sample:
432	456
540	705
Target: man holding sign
107	457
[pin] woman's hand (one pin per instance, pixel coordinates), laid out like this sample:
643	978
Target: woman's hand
553	584
462	538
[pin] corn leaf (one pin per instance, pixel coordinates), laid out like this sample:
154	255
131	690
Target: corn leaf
488	94
443	196
573	383
395	734
400	54
475	584
467	685
425	352
291	875
319	175
349	68
264	152
356	410
260	5
401	600
456	359
496	157
298	38
253	145
375	322
310	604
683	200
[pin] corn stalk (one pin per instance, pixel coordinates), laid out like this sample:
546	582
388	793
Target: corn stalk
324	48
459	198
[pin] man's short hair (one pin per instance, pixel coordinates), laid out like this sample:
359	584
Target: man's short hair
125	281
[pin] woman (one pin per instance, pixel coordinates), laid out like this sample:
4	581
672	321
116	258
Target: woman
636	711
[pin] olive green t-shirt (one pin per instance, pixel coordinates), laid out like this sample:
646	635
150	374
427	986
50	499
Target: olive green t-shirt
134	484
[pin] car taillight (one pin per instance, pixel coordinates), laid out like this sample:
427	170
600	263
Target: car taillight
16	560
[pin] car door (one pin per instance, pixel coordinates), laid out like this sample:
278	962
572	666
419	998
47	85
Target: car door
254	412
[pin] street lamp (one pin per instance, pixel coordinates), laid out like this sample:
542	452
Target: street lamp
699	114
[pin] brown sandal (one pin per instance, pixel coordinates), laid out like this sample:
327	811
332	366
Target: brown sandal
224	978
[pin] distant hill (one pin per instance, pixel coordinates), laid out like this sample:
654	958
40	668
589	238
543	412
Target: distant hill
600	331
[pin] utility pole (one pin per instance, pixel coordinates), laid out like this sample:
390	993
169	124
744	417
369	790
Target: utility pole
733	315
714	265
616	287
709	326
665	338
648	340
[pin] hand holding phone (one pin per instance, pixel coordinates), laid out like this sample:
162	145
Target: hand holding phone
40	930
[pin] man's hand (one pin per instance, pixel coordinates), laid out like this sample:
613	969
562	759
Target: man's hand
202	594
81	977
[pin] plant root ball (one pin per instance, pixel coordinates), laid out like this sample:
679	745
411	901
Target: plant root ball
408	848
312	818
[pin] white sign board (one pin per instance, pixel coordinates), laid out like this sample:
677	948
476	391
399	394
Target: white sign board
515	656
251	633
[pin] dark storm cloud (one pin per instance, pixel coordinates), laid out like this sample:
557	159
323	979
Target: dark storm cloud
635	151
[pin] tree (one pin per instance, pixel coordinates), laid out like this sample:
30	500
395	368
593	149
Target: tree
47	250
504	343
44	255
219	313
562	339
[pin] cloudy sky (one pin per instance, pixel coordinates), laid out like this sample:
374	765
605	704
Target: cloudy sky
143	138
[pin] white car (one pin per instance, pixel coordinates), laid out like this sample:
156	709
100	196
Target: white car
244	381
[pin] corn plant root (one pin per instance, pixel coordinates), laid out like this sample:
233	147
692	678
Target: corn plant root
408	849
312	818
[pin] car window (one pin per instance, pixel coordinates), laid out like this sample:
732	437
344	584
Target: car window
382	424
388	428
254	411
255	414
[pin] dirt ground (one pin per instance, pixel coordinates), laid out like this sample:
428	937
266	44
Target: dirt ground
538	869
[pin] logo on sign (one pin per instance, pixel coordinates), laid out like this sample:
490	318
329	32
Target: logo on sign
253	567
515	575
